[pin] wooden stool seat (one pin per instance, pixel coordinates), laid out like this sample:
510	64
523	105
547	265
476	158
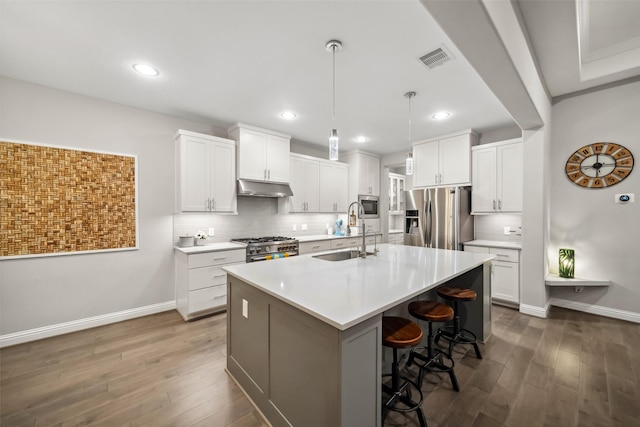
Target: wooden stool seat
459	294
431	311
398	332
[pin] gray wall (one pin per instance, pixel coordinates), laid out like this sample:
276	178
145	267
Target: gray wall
38	292
605	235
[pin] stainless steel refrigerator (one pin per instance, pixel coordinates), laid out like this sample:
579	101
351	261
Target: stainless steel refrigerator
438	217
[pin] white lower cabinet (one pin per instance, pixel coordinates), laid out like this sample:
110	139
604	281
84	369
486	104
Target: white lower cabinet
316	246
345	242
505	273
396	238
201	284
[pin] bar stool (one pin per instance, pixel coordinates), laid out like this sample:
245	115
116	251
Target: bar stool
398	332
432	311
457	335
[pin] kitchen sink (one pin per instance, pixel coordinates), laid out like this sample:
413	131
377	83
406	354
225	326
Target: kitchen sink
340	255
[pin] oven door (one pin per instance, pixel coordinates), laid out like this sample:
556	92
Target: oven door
370	205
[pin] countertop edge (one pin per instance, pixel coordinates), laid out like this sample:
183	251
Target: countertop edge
494	244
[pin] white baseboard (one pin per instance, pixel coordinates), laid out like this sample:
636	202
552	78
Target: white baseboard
533	310
629	316
78	325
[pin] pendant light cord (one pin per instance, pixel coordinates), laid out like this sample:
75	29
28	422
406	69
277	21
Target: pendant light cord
333	116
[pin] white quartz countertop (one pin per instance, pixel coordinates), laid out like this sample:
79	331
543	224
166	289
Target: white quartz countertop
345	293
211	247
494	244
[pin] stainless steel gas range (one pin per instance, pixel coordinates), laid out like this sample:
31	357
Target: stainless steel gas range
268	248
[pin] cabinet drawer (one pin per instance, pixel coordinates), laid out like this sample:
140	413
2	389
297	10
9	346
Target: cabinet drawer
205	277
345	243
371	240
207	298
476	249
216	258
507	255
309	247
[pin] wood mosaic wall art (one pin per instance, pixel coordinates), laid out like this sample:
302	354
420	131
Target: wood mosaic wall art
57	201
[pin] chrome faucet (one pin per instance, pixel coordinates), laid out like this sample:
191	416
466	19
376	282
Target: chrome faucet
363	253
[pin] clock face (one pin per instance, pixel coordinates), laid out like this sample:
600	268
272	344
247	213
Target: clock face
599	165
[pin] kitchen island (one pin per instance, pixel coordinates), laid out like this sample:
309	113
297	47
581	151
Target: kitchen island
304	334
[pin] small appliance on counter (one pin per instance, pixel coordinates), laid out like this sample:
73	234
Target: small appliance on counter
268	248
185	241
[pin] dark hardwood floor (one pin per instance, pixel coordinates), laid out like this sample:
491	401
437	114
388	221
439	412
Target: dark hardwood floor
572	369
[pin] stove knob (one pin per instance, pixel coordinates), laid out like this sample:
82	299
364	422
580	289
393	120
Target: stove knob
267	248
252	251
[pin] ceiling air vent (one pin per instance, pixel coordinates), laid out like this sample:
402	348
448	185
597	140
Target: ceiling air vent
435	58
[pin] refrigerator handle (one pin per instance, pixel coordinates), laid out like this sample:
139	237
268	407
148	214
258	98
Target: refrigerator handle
428	225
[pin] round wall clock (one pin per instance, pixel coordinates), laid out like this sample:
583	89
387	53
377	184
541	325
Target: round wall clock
601	164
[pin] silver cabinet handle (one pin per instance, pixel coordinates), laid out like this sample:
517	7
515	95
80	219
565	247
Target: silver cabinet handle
435	178
269	174
220	259
219	275
213	204
499	204
315	247
264	175
494	205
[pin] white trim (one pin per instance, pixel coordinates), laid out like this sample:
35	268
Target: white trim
80	324
629	316
533	310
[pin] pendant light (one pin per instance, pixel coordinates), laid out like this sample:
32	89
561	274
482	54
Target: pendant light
333	46
409	162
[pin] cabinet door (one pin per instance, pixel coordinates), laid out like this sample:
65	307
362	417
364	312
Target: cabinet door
373	175
333	193
455	160
483	194
252	149
311	174
341	187
297	201
505	281
277	158
510	177
194	171
425	166
223	177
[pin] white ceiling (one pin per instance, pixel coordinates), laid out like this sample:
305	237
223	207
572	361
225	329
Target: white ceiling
247	61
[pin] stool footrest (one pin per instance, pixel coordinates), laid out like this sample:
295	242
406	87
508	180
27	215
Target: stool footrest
433	363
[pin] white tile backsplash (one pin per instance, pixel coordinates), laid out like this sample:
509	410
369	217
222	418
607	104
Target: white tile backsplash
491	227
257	216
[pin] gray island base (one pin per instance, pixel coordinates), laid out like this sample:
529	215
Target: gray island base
304	335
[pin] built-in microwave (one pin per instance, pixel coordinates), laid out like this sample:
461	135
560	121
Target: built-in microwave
370	205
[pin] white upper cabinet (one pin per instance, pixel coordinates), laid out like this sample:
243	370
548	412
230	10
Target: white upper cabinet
206	173
305	181
364	174
396	193
497	177
444	161
263	155
334	186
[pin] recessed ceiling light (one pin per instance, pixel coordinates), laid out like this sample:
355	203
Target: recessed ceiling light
440	115
288	115
146	70
361	139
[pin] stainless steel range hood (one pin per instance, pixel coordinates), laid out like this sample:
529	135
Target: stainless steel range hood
263	189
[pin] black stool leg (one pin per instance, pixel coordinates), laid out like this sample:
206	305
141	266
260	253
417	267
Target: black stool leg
458	335
431	362
397	391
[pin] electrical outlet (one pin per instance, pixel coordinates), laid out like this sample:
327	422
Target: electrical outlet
245	308
212	232
507	231
304	227
295	227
